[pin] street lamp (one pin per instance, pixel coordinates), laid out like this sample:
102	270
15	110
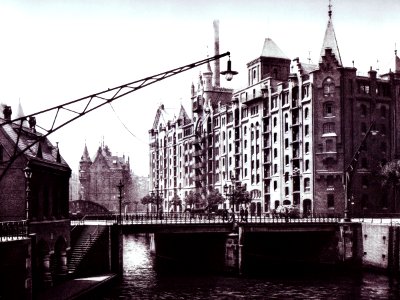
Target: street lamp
156	197
120	187
350	170
229	73
235	191
28	176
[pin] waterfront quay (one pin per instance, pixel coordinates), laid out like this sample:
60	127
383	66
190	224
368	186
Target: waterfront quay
233	247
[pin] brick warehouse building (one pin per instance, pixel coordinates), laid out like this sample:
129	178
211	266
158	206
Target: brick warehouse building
47	209
99	179
288	136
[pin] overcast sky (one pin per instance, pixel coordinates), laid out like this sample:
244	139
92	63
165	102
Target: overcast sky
55	51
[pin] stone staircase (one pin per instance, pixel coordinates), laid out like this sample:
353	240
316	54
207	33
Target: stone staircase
87	239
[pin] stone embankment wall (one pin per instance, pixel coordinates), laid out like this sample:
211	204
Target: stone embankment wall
380	246
16	269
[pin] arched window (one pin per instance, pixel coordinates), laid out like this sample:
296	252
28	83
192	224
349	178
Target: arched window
306	130
329	86
306	112
307	147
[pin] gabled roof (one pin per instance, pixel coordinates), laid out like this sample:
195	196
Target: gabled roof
270	49
330	42
42	150
165	115
183	115
103	154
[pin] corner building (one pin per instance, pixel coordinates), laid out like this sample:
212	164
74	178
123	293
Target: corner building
288	136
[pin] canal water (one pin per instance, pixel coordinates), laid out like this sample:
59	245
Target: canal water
143	279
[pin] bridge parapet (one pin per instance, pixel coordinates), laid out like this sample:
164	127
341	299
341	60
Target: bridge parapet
13	230
193	218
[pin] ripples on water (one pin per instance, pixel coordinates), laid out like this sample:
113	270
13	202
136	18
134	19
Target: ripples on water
142	281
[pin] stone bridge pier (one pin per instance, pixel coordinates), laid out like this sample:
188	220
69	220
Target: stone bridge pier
289	247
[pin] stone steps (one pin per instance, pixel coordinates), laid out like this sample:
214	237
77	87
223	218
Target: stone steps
85	242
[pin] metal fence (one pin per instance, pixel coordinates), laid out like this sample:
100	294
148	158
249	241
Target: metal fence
13	230
200	218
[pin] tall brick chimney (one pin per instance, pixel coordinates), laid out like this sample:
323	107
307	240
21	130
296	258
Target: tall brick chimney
216	52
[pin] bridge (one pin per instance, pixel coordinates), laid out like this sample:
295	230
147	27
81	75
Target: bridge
204	222
229	242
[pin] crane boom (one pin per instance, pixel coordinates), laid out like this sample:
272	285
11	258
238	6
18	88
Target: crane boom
91	103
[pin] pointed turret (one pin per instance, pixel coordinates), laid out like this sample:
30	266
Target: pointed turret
330	39
20	114
207	75
85	156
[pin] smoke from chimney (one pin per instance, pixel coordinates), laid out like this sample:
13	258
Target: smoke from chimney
216	52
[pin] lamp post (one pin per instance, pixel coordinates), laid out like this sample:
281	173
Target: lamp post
156	197
235	191
350	170
28	177
120	186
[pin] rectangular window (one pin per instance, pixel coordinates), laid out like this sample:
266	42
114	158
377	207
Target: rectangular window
329	127
307	185
331	200
229	117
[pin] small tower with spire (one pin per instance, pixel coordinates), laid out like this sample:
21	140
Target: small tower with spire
84	172
330	45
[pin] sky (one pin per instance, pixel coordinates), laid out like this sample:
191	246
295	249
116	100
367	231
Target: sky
56	51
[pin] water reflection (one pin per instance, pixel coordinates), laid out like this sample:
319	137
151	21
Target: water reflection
142	281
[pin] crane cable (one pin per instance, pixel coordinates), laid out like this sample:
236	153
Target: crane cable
126	127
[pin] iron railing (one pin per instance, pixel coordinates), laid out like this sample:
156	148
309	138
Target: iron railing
13	230
201	218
